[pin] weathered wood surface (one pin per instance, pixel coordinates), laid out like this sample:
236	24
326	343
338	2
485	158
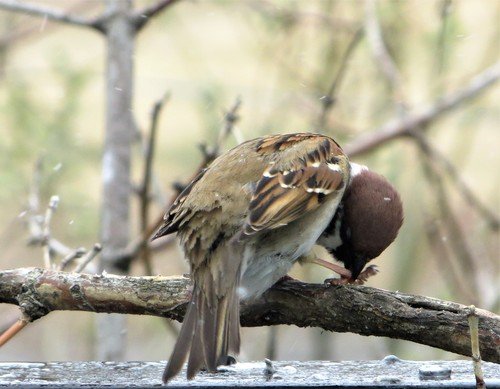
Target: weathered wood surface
390	372
358	309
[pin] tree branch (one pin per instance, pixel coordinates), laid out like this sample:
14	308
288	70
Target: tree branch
463	189
49	13
329	99
141	17
145	189
399	127
381	54
358	309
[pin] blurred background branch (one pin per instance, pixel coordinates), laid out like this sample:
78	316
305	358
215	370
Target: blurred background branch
48	13
398	127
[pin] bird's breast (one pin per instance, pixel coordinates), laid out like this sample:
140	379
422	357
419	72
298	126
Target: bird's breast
270	255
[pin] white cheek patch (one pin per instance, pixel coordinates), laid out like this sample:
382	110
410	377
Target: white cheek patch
357	169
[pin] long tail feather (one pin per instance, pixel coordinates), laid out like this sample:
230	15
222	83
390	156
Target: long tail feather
209	332
183	344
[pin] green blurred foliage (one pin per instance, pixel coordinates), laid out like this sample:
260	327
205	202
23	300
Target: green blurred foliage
39	129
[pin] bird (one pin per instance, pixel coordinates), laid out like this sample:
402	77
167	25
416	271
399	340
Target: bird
365	223
243	222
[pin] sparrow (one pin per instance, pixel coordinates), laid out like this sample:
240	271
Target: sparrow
365	223
243	222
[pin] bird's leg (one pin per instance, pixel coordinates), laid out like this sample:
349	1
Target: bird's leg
370	271
341	271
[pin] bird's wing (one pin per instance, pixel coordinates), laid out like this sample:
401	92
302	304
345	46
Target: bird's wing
176	214
289	188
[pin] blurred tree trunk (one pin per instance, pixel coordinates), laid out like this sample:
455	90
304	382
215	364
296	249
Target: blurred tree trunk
115	215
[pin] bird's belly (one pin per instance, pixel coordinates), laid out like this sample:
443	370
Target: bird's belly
274	252
261	273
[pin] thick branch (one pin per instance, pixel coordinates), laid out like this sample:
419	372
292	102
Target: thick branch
358	309
49	13
400	127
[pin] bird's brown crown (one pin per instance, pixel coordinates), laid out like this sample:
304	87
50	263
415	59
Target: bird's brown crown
373	213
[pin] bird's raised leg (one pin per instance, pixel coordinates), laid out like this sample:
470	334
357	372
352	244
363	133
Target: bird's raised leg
341	271
345	274
370	271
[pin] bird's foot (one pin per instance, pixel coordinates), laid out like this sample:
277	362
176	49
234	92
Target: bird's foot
370	271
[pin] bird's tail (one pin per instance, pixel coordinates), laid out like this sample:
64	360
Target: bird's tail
210	330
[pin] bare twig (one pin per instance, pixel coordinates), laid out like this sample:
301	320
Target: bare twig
141	17
377	312
328	100
146	182
74	255
209	154
230	119
35	221
448	267
383	59
146	194
446	6
13	330
399	127
296	14
39	226
456	237
89	257
13	35
49	13
474	342
469	196
47	254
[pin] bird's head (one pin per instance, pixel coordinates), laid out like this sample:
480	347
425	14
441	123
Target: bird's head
370	216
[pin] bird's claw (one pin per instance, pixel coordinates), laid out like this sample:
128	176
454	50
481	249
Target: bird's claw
370	271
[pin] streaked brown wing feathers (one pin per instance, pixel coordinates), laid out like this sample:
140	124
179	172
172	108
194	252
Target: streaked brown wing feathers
176	215
283	194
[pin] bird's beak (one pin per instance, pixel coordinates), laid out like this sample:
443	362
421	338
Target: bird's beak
356	266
